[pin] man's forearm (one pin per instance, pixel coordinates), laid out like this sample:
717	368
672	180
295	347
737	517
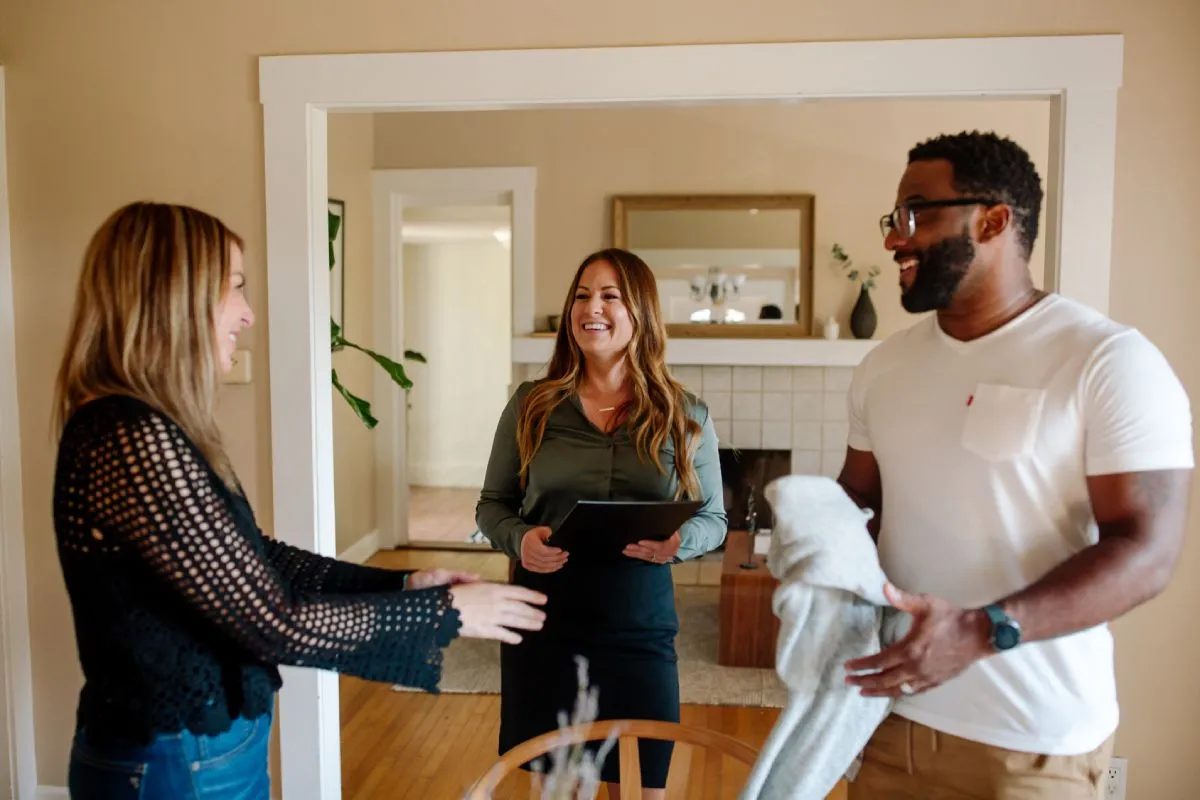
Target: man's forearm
1130	564
1092	587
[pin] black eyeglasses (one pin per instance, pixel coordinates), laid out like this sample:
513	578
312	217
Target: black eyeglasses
903	219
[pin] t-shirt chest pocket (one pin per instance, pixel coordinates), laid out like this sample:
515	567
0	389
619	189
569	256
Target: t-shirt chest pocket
1002	421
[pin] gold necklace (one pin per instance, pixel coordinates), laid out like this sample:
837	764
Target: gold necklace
605	409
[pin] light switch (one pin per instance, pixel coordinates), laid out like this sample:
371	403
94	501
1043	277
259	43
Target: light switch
241	368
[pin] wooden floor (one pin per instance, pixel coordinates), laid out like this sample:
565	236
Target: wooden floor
409	745
441	514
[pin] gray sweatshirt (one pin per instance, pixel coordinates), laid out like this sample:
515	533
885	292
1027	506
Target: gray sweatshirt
831	609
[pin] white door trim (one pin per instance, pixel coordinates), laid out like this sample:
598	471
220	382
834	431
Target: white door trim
16	672
393	190
1079	74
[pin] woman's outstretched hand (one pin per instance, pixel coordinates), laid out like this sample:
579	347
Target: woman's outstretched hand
497	610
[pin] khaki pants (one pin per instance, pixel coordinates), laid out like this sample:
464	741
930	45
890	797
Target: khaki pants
907	761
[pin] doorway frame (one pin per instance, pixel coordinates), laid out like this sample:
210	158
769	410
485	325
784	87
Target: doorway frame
16	669
393	189
1079	75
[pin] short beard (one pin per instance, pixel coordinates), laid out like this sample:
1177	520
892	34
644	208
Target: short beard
940	270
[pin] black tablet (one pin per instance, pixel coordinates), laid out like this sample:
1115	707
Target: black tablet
595	528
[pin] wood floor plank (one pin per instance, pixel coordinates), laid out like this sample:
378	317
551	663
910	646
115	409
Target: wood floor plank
476	737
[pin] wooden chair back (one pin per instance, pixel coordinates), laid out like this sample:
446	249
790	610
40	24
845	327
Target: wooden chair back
628	731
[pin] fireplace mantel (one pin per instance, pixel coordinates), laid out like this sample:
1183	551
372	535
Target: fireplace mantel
741	352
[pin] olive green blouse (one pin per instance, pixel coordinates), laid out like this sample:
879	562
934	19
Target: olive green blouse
578	461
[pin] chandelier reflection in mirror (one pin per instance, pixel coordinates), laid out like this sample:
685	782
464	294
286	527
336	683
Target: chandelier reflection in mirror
717	288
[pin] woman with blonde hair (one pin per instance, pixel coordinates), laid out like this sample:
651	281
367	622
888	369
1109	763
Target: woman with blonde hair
608	422
182	608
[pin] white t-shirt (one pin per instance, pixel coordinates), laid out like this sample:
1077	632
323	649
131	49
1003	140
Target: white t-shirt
984	448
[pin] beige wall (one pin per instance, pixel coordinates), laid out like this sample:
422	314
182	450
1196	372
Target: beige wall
848	154
351	144
115	100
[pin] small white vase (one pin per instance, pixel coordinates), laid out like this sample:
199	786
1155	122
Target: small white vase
831	328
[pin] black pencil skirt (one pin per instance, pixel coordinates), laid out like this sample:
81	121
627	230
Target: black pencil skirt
621	617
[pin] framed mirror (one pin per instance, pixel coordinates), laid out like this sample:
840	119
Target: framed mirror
728	266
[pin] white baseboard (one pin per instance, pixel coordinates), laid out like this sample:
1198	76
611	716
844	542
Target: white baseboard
47	792
362	550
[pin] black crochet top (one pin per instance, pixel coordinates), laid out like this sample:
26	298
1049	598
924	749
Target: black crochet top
183	608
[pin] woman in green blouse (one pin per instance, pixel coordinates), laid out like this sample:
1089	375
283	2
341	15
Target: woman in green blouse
607	423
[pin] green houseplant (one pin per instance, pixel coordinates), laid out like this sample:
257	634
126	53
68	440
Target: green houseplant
395	370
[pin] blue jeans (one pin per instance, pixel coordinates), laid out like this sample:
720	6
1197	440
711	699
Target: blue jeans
178	766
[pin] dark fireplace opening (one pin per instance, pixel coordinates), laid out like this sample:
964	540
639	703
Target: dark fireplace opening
746	474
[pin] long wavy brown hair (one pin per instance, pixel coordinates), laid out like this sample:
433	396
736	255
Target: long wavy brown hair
658	409
143	325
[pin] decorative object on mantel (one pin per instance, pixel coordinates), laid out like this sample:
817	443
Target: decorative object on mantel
862	319
831	330
337	339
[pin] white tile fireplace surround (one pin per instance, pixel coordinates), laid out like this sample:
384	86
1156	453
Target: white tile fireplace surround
802	409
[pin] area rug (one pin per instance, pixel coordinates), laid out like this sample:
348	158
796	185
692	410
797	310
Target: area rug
472	666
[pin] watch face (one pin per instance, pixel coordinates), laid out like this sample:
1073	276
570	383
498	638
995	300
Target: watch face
1006	637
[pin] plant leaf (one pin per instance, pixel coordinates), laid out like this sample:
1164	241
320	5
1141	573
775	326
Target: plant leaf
335	225
361	408
336	340
394	370
413	355
853	275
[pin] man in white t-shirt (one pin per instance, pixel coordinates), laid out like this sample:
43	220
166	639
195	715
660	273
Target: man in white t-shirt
1028	460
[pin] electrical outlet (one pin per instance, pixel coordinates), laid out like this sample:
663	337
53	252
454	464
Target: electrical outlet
1114	788
241	368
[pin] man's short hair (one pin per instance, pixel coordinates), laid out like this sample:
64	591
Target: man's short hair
991	166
